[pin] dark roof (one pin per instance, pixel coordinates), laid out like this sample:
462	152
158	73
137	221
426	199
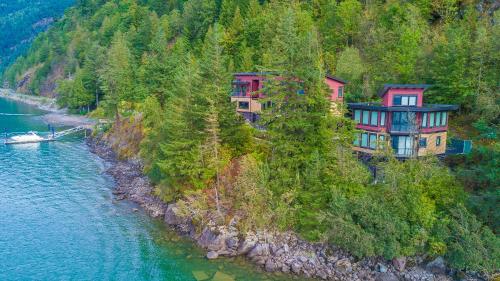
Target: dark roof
336	79
238	82
424	108
402	86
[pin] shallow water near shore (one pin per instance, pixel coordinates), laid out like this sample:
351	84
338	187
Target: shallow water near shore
59	219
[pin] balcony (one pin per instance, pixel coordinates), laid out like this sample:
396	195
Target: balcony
238	94
403	128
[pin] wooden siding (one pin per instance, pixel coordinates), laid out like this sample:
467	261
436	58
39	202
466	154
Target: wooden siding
254	105
431	148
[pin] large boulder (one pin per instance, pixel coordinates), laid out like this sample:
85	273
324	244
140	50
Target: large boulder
261	250
211	240
437	266
171	215
248	244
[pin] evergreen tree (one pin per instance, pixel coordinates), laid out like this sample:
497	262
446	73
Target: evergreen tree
117	74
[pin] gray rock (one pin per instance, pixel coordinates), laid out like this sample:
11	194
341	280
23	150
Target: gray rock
387	276
344	265
259	250
322	274
247	245
212	241
271	266
399	263
437	266
285	268
171	217
381	268
212	255
296	267
232	243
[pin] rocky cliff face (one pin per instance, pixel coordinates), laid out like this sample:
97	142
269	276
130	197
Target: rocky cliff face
274	251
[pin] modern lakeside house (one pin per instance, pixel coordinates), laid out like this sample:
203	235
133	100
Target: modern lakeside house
402	121
248	93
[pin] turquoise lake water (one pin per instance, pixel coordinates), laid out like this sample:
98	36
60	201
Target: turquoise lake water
59	221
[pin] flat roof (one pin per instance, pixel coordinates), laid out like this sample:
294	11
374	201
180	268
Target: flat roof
423	108
387	87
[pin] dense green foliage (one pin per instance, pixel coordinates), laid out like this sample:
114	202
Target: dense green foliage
170	62
21	20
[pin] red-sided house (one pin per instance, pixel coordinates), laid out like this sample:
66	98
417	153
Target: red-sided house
247	93
402	121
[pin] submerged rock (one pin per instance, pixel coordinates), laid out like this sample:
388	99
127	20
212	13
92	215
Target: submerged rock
200	275
220	276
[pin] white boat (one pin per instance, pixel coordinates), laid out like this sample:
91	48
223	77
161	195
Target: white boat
30	137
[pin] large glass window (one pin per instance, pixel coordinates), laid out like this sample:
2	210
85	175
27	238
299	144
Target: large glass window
374	118
396	100
382	118
366	117
424	120
243	105
403	121
404	100
431	120
357	115
402	145
444	118
364	140
412	101
438	119
341	92
373	141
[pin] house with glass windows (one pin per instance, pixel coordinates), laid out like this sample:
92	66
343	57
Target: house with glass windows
402	121
248	93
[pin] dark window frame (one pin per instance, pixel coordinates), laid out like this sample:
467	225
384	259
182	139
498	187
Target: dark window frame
438	141
243	102
422	142
400	98
340	92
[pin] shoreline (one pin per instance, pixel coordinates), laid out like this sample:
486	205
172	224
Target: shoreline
272	251
54	116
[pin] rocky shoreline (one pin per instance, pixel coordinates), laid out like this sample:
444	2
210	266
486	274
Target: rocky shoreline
56	115
275	252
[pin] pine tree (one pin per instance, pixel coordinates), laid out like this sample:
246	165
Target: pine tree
117	74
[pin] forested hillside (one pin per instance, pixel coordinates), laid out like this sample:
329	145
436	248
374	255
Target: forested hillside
21	21
164	68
